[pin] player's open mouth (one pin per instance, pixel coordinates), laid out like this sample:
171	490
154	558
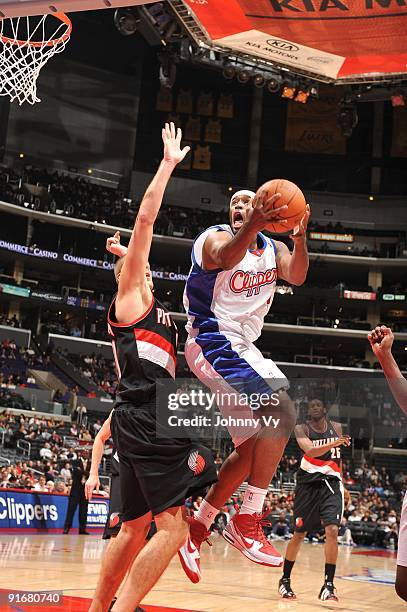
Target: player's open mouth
237	219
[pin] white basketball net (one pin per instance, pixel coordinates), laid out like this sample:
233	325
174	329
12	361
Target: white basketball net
26	44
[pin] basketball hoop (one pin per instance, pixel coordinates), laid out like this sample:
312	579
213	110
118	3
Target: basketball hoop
26	45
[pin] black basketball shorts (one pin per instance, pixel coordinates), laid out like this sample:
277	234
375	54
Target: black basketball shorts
114	522
318	504
157	471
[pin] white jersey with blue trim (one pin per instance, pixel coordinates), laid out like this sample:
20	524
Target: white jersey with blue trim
235	300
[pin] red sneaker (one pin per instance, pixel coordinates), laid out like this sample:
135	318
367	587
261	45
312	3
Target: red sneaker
245	532
189	554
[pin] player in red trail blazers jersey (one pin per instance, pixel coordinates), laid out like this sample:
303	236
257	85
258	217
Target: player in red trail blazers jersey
157	471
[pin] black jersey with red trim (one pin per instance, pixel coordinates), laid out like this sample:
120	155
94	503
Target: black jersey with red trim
327	465
144	351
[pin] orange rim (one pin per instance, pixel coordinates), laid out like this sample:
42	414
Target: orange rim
51	43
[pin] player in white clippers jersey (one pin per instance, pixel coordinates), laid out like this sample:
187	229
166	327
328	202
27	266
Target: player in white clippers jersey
381	340
229	291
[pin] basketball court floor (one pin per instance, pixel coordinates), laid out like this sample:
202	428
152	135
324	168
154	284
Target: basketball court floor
70	563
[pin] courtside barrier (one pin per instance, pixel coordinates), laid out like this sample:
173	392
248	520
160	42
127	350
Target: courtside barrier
37	511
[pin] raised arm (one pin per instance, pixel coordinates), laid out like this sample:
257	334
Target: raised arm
134	294
381	340
306	445
293	267
221	250
103	434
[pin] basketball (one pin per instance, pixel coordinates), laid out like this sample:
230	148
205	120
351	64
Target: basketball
291	195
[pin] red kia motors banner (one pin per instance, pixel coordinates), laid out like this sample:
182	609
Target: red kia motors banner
333	38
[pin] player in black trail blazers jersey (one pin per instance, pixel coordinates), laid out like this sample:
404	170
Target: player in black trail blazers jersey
319	494
157	472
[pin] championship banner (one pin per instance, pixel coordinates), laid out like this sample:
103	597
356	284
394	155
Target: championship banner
314	128
35	510
332	38
399	140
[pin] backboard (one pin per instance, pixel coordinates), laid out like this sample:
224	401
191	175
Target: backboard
23	8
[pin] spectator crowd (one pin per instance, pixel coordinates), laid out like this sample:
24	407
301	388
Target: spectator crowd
372	514
53	445
372	507
76	196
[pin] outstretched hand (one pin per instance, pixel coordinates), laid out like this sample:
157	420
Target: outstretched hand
381	339
343	440
112	241
113	245
263	212
172	144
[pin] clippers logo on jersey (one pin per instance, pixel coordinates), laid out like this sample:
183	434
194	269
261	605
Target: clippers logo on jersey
231	301
251	282
196	463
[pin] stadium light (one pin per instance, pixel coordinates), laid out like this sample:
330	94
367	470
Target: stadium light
243	76
126	21
398	100
313	92
288	90
259	81
229	72
347	118
302	96
168	69
274	84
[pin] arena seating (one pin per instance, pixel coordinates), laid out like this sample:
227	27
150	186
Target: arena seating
78	197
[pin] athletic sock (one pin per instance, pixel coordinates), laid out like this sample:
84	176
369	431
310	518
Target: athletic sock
287	568
206	514
253	500
330	569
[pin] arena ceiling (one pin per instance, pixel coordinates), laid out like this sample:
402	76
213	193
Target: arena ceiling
337	40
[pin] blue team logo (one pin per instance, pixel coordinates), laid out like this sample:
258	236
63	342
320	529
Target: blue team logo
251	282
